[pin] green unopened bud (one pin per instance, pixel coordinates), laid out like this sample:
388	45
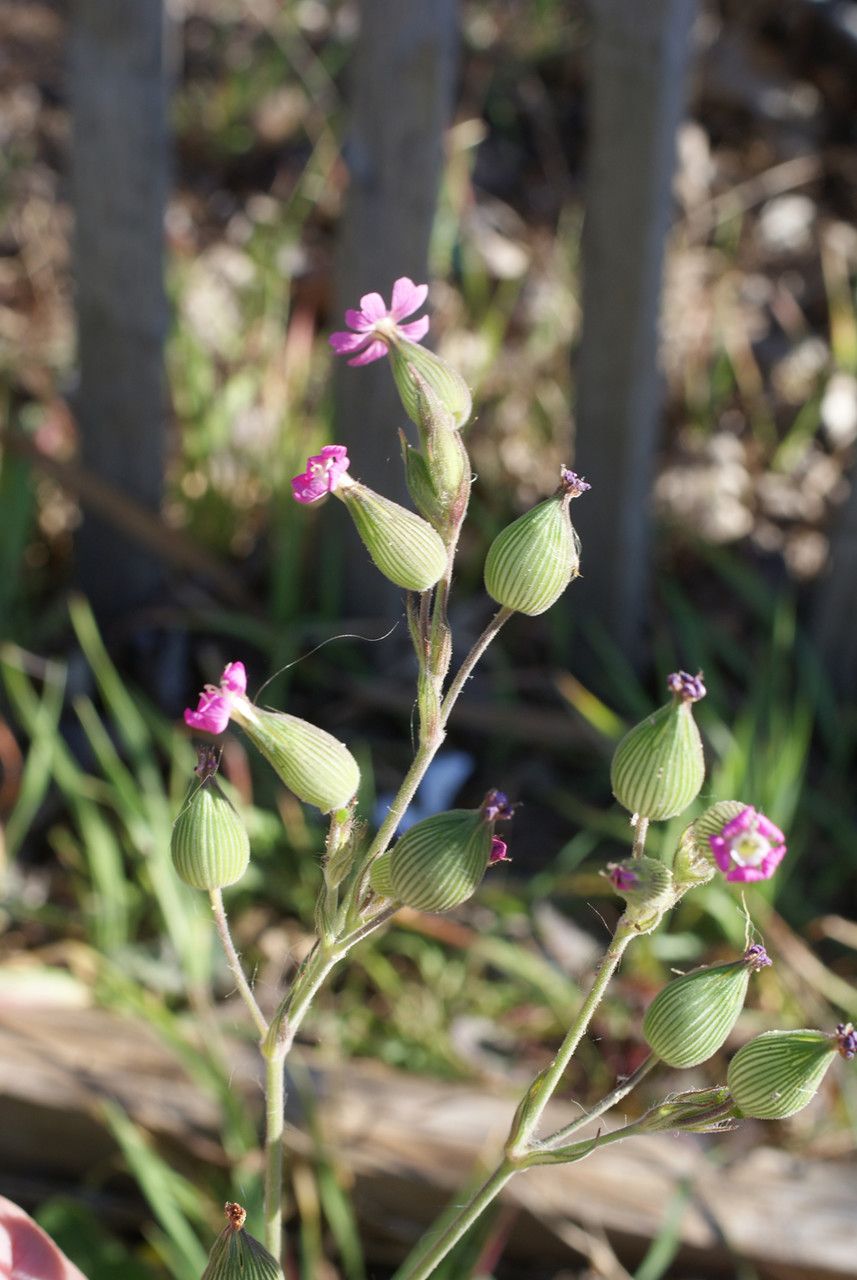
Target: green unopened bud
695	1111
402	545
530	563
380	876
646	884
209	843
778	1073
439	863
236	1255
690	1019
317	767
420	485
452	391
658	768
447	461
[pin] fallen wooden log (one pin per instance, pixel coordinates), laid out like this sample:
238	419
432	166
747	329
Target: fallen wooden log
412	1142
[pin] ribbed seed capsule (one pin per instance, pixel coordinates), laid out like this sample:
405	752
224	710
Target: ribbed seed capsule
658	768
690	1019
317	767
236	1255
439	862
530	563
209	844
402	545
446	383
380	877
778	1073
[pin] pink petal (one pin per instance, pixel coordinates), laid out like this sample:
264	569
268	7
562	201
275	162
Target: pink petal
309	487
234	678
373	307
767	829
343	342
211	714
416	330
357	320
407	297
375	351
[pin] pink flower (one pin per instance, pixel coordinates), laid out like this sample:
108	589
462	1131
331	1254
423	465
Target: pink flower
375	327
749	847
323	474
215	703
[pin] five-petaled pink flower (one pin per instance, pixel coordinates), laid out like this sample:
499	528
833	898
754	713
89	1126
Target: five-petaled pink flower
376	327
324	472
749	847
216	702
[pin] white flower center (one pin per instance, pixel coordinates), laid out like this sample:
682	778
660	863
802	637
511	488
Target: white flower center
749	849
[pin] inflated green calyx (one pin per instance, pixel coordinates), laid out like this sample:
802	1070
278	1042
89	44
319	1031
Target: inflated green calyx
778	1073
236	1255
209	844
532	561
658	768
691	1018
403	545
317	767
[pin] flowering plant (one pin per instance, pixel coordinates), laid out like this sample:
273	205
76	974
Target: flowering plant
657	773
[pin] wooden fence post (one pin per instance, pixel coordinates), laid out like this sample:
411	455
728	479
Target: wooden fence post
638	62
402	79
120	175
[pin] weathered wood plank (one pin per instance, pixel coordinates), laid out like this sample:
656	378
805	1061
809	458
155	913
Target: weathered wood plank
411	1142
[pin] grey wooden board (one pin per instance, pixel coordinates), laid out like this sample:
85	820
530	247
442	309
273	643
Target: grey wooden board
411	1142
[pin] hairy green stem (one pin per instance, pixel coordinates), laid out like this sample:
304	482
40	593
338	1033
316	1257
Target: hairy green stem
234	962
609	1100
466	669
430	1252
275	1108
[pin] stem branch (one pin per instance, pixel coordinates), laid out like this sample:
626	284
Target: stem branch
234	962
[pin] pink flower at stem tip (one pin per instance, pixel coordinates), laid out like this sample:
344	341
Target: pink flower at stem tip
377	326
749	847
214	708
324	474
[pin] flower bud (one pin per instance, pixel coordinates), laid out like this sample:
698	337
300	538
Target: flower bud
694	1111
658	767
531	562
317	767
402	545
439	862
209	844
690	1019
236	1255
778	1073
409	358
646	884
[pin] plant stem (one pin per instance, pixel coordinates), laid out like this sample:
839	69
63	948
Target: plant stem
551	1077
430	1253
616	1095
275	1106
234	962
640	832
466	669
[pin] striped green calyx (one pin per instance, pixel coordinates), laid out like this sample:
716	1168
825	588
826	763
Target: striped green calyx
236	1255
531	562
690	1019
405	548
209	844
409	358
439	862
778	1073
380	877
317	767
658	768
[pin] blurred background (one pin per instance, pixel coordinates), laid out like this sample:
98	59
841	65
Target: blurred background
639	225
